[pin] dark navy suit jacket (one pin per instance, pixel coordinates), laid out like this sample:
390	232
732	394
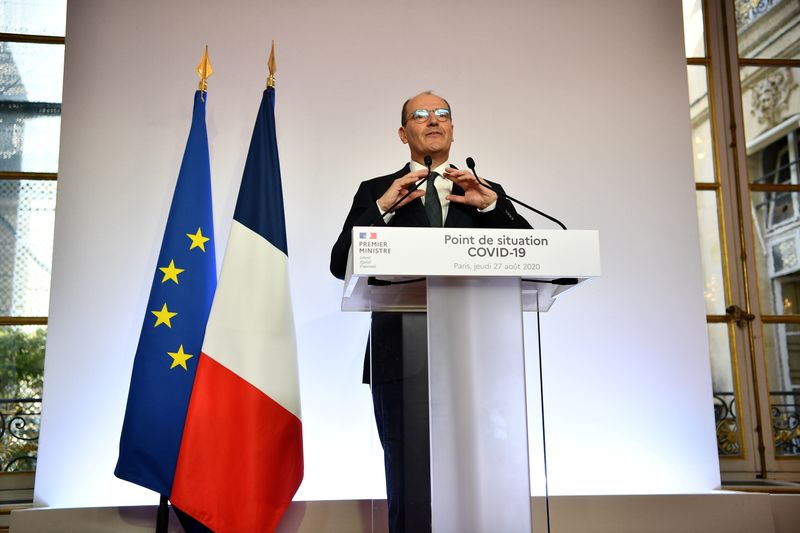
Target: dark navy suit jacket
386	332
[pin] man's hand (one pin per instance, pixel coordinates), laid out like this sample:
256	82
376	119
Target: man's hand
475	194
399	188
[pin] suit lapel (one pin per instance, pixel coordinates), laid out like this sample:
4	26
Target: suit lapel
415	211
457	215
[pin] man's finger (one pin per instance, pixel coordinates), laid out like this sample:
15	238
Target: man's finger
411	197
411	177
461	177
455	173
457	198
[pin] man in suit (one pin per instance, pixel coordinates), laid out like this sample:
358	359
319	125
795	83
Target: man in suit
398	371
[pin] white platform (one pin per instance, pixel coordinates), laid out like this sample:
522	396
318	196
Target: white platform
718	512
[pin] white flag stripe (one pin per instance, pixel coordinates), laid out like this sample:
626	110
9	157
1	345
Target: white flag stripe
251	330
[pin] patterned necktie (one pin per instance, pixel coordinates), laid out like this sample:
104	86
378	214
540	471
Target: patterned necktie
432	204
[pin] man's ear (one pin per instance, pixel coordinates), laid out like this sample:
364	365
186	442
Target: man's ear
402	133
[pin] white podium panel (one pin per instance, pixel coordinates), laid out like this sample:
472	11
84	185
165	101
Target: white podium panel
478	420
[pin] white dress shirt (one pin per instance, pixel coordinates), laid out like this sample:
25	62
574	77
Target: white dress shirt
443	186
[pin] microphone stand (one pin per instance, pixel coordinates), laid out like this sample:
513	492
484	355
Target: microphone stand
471	165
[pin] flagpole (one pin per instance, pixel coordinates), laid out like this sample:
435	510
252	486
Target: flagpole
162	518
271	66
204	70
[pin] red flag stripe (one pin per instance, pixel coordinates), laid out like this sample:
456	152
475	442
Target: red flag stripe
245	483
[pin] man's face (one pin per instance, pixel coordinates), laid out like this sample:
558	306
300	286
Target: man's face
432	137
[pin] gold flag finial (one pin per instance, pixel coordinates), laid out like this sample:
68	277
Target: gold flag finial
204	70
271	65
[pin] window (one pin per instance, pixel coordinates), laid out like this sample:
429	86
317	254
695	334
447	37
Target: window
31	73
743	71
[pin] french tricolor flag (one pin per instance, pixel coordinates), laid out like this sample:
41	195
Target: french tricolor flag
241	456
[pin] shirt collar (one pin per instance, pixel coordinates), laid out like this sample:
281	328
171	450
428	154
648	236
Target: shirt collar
439	170
441	183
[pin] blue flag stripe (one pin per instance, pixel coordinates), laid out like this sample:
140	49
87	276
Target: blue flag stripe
259	206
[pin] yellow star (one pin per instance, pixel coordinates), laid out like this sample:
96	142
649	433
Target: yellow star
170	272
198	241
179	358
163	316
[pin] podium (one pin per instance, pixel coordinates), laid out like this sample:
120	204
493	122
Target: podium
474	284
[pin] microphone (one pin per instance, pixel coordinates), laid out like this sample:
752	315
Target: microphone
428	163
499	193
471	165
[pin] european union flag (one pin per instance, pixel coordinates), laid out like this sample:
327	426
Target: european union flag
174	323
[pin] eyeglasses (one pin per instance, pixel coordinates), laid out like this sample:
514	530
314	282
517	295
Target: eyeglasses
423	115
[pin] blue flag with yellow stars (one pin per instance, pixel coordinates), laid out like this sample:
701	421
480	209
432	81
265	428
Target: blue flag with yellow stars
174	323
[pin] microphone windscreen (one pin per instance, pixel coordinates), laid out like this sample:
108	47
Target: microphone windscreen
428	161
471	164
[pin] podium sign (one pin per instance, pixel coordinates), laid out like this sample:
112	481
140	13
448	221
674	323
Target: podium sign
398	254
541	254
